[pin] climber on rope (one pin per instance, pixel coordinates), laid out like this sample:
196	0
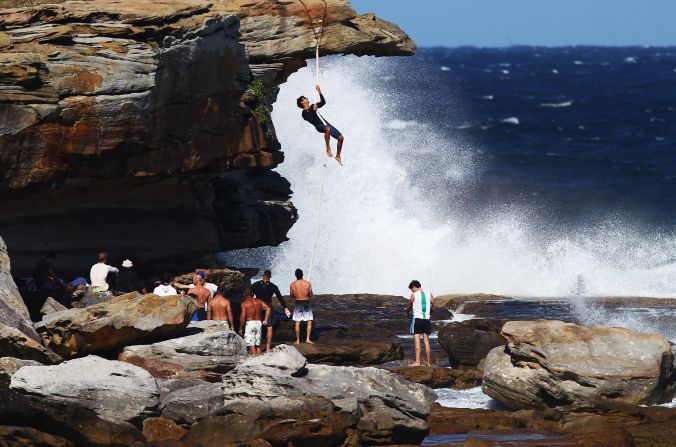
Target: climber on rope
312	116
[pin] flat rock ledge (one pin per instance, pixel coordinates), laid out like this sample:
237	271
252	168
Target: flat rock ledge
552	364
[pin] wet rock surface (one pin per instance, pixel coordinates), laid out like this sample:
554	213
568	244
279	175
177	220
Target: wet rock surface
468	342
435	377
119	322
555	364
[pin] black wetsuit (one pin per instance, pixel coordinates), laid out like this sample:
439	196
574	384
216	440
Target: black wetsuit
310	115
265	291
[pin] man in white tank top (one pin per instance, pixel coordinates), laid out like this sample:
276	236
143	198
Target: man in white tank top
421	303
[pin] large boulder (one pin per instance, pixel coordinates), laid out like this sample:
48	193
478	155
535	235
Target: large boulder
113	390
224	278
13	311
11	436
379	407
9	366
204	356
468	342
14	343
437	377
351	352
114	324
555	364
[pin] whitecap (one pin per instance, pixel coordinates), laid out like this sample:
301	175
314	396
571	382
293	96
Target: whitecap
511	120
397	124
557	104
505	71
505	64
445	68
555	71
578	62
630	60
471	398
659	138
487	97
464	126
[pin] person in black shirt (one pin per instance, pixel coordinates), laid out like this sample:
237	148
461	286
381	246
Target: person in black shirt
128	280
264	290
311	115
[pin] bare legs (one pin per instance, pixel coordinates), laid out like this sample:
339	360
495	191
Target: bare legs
416	345
309	332
269	340
327	138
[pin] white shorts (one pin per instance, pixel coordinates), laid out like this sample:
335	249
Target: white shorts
252	332
302	311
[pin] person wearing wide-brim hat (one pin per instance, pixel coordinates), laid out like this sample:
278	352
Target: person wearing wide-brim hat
128	280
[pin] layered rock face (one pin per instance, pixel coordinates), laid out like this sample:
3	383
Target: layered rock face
552	364
129	125
13	311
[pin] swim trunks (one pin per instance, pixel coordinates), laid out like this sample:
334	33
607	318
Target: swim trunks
252	332
302	311
421	326
335	133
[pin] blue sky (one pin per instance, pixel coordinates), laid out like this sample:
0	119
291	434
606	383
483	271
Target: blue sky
530	22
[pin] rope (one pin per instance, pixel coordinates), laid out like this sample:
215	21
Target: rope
318	42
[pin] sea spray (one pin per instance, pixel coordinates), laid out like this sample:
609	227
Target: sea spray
383	224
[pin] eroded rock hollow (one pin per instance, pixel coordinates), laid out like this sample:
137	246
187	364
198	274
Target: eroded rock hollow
143	127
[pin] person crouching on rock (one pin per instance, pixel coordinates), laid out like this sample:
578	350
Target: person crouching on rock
311	115
301	290
422	303
250	324
202	295
219	309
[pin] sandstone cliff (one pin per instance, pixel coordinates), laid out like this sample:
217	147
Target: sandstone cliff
130	125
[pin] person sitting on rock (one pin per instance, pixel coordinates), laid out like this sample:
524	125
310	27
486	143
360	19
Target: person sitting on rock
128	280
219	309
202	295
311	115
98	275
422	303
165	289
250	324
301	290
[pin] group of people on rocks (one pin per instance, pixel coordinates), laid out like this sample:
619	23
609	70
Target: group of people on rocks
256	313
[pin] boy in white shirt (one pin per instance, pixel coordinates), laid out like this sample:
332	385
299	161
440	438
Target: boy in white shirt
421	303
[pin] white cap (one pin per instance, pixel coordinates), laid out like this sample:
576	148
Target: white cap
127	263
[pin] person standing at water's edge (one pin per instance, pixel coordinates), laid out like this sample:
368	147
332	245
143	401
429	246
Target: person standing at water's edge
265	290
301	290
422	303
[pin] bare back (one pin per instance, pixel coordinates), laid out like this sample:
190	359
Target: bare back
252	309
301	290
201	294
219	308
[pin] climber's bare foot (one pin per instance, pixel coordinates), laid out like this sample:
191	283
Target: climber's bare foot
339	160
297	342
328	152
309	341
415	364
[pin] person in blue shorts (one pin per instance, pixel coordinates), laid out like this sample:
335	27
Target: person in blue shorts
311	115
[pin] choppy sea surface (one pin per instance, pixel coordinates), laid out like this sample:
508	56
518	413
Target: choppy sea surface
523	171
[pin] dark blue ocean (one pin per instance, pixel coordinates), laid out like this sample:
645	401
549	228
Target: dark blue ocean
581	134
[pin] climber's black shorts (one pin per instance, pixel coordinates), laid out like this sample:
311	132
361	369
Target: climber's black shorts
335	133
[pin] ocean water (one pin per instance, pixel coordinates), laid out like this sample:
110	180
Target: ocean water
519	171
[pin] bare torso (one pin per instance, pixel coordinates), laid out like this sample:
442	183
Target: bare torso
220	308
301	290
201	294
252	309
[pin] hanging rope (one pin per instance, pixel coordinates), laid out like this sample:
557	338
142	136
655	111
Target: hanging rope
318	42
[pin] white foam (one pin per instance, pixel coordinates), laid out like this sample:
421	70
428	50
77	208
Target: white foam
555	71
379	230
470	398
511	120
630	60
489	97
397	124
557	104
444	68
504	71
578	62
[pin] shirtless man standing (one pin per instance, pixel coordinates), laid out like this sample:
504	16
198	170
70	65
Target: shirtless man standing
250	324
219	309
202	295
301	290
